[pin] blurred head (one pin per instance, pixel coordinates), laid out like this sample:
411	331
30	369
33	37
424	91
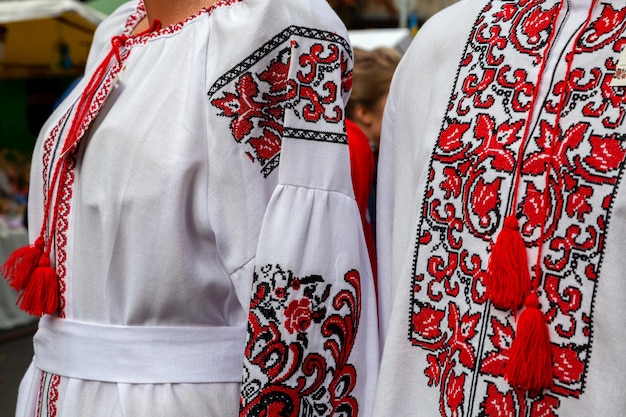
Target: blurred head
373	70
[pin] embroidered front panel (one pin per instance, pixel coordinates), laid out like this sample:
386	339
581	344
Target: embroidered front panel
300	337
576	145
296	71
58	158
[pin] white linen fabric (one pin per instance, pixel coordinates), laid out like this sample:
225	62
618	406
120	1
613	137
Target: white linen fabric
482	79
174	201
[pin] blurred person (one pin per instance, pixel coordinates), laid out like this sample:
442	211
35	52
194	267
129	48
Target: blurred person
372	73
502	214
196	249
5	182
13	187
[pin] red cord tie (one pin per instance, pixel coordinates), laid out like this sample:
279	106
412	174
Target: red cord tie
28	270
118	42
41	294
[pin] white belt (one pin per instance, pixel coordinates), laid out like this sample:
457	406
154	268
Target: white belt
138	354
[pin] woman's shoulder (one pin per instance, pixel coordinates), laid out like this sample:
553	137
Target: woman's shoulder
313	14
112	25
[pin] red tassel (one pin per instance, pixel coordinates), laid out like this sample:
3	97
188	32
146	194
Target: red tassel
20	265
41	295
508	280
530	357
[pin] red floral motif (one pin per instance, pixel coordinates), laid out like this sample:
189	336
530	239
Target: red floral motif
534	207
450	139
463	331
536	162
485	200
452	184
507	13
578	202
607	153
568	367
536	24
267	146
495	362
531	28
571	162
281	88
494	142
545	407
298	315
498	404
427	323
284	376
242	106
610	19
434	370
454	393
450	345
298	75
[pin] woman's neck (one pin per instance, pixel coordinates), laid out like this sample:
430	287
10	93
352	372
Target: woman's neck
173	11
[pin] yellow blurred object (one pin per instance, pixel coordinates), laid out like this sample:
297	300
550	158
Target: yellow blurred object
45	37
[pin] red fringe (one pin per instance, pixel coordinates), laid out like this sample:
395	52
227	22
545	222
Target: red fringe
530	357
41	295
20	265
508	280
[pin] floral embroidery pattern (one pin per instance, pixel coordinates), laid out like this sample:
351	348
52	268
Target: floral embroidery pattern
294	72
298	316
471	175
299	366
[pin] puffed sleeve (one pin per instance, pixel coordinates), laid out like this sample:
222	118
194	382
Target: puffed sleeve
312	329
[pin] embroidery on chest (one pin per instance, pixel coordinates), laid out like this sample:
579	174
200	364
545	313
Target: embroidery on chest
293	72
570	169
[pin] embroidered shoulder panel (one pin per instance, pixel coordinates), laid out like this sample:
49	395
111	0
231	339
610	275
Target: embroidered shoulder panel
301	71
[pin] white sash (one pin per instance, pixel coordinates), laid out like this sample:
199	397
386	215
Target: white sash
139	354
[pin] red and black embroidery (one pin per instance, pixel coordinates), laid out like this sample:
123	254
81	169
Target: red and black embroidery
301	334
296	72
571	167
59	158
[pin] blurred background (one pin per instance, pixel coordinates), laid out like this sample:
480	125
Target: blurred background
44	45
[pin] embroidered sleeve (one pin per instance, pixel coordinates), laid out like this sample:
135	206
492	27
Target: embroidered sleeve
312	307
